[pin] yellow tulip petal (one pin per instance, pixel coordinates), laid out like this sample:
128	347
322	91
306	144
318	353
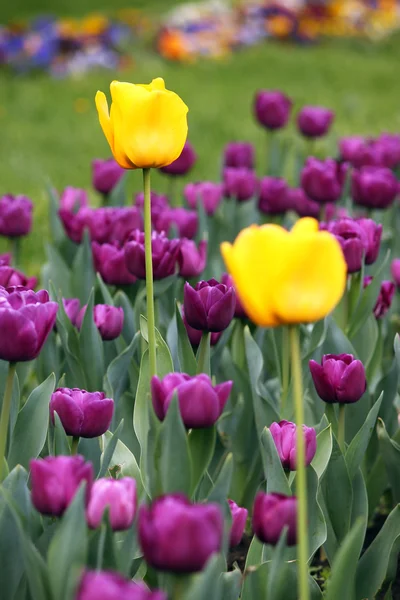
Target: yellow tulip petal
104	117
156	84
305	225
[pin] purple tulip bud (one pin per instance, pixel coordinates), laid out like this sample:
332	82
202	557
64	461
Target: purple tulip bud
239	154
374	187
322	180
339	378
106	585
373	233
239	518
195	335
109	261
119	496
272	109
240	183
15	215
82	414
192	260
271	514
298	201
10	277
353	241
227	280
73	223
385	298
273	197
284	435
209	306
186	221
72	199
55	481
72	306
314	121
109	320
350	148
164	255
390	148
26	319
159	203
208	193
395	271
178	536
105	225
105	175
183	164
5	259
200	403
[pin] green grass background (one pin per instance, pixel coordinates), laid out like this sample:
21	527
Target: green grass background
43	136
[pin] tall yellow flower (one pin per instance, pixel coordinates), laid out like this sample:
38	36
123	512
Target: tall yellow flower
146	125
283	277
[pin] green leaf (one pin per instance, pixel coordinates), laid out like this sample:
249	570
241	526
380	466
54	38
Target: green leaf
117	196
201	449
58	272
83	277
208	584
128	330
341	584
91	349
30	430
109	451
164	358
203	354
277	569
175	463
324	451
60	439
107	298
126	461
273	471
116	380
220	490
187	359
231	584
56	229
390	452
359	444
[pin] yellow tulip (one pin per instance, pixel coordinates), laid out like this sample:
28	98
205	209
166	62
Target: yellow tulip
146	125
283	277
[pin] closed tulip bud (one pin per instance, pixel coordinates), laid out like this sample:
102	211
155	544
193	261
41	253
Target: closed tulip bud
373	233
239	518
271	514
159	203
395	271
390	148
240	183
72	306
82	414
298	201
106	585
105	175
374	187
55	481
272	109
385	298
178	536
192	259
164	255
209	194
15	215
314	121
72	199
183	164
185	221
105	225
26	319
284	436
116	495
146	126
353	241
109	261
239	154
227	280
195	335
109	320
350	148
5	259
339	378
200	403
209	306
273	196
322	180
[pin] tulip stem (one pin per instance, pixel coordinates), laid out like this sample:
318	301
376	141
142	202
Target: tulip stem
285	367
5	414
74	445
301	485
342	427
203	354
149	274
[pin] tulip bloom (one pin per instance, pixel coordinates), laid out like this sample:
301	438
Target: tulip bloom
240	183
55	481
164	254
15	215
303	286
284	436
395	271
105	225
119	496
146	126
186	222
227	280
239	518
192	260
72	306
298	201
209	306
105	175
373	234
159	203
208	193
10	277
239	154
272	109
271	514
82	414
353	240
374	187
385	297
322	180
183	164
314	121
109	320
273	196
106	585
200	403
350	149
339	378
109	261
72	199
178	536
195	335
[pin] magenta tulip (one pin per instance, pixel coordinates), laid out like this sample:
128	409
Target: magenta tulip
284	436
116	495
339	378
82	414
239	518
271	514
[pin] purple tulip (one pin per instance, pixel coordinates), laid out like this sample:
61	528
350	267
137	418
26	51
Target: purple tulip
15	215
314	121
26	319
195	335
109	261
106	585
395	271
105	225
119	496
374	187
322	180
373	233
272	109
273	197
72	306
334	212
350	148
390	148
240	183
200	403
183	164
178	536
106	174
227	280
385	298
55	481
298	201
5	259
208	193
159	203
239	154
82	414
164	255
271	514
185	221
353	241
192	259
339	378
10	277
72	199
284	435
239	518
109	320
209	306
73	223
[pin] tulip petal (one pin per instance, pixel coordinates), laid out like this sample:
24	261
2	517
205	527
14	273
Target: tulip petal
104	117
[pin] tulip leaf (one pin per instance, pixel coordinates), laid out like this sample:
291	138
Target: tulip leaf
324	451
109	451
124	459
128	329
175	461
60	439
15	398
116	379
389	386
220	490
117	196
208	584
83	277
107	298
30	431
277	568
390	452
231	584
203	354
273	471
256	582
91	349
56	229
164	358
58	272
201	448
187	359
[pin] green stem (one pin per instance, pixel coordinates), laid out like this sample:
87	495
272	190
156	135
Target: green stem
322	212
203	354
175	199
285	367
15	246
301	485
74	445
149	274
101	546
342	427
5	413
331	416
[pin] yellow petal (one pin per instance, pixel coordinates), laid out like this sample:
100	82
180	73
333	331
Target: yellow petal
305	225
104	117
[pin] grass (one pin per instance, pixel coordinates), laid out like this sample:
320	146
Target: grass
49	127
